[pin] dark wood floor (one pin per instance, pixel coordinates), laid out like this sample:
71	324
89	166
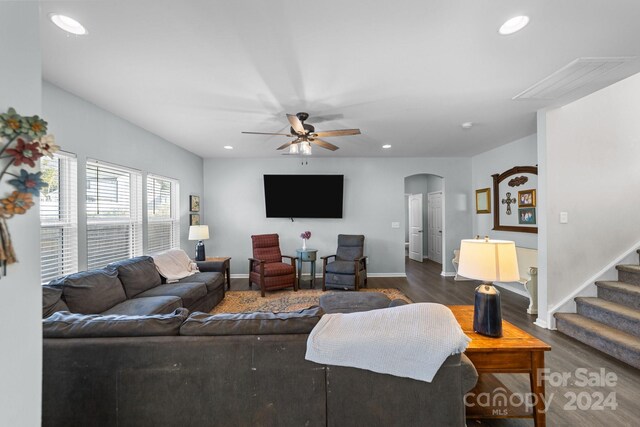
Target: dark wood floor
425	284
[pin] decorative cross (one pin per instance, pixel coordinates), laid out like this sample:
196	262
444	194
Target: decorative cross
508	202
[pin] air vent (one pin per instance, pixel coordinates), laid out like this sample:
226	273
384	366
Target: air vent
579	77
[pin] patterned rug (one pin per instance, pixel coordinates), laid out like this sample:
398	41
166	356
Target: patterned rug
282	301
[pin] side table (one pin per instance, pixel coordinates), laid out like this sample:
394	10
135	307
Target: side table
307	255
226	267
515	352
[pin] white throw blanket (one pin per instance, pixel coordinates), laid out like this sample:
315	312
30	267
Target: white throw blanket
174	264
410	341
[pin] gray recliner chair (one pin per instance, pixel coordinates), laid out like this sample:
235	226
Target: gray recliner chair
348	270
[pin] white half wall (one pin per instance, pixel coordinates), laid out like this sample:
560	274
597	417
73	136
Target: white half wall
21	314
592	172
373	199
89	131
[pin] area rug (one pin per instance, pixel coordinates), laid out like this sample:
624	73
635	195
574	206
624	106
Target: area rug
283	301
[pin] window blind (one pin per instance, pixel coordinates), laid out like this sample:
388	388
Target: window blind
114	213
163	214
58	217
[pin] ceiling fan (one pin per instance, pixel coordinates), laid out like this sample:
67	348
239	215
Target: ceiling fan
305	135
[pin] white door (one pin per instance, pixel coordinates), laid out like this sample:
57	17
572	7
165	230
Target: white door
434	226
415	227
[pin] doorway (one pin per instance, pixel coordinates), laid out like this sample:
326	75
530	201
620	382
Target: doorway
434	221
424	217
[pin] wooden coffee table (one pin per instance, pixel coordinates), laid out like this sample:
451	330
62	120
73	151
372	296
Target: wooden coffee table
515	352
226	266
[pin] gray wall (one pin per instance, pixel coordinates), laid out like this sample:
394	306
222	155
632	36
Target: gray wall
522	152
21	314
373	199
91	132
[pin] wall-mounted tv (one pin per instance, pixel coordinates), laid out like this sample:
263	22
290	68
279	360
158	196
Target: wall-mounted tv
303	196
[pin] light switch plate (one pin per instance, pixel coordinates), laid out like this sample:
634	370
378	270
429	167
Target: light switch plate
395	225
564	217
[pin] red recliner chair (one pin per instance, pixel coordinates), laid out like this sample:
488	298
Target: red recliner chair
266	267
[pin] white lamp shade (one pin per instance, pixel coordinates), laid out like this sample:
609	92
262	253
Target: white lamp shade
488	260
198	232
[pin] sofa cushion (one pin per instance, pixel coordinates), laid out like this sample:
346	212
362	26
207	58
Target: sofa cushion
137	274
189	293
146	306
397	302
69	325
343	302
297	322
212	280
52	301
91	292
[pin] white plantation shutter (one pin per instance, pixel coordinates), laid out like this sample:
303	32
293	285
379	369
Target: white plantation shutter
163	219
58	217
114	213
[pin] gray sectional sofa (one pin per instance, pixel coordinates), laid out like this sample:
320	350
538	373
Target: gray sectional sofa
248	369
133	287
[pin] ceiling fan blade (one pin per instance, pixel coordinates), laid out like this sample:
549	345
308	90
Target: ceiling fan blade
342	132
296	124
323	144
283	146
268	133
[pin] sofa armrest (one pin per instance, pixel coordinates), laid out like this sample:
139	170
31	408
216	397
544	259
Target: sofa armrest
216	266
469	374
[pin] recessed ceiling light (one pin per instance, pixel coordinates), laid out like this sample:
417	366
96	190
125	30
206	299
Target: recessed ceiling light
228	147
385	146
513	25
467	125
67	24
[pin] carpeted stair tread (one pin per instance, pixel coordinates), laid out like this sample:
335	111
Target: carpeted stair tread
631	268
621	345
610	313
620	292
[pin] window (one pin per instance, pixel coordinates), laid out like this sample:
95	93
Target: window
114	213
58	217
163	214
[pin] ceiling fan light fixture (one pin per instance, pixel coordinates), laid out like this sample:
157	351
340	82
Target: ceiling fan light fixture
514	25
68	24
294	149
305	148
386	146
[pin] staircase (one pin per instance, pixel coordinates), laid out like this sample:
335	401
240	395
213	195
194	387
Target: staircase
610	322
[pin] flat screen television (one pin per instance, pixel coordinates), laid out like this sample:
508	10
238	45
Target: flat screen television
303	196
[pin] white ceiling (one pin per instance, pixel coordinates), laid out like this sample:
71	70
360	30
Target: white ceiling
406	72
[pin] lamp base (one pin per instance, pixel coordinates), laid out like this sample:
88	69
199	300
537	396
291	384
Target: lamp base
487	315
200	251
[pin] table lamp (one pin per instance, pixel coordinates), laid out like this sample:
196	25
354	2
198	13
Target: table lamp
488	261
199	233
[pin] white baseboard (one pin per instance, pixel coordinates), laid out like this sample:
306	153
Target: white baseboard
386	274
542	323
448	274
240	276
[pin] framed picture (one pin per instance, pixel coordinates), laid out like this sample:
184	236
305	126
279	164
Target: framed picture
527	199
527	216
483	201
194	203
195	219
